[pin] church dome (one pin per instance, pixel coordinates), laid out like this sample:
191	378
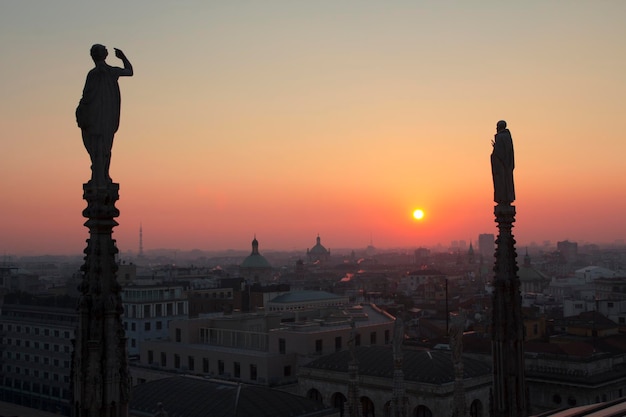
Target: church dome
318	249
255	260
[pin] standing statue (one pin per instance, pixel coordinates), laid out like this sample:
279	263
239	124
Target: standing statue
502	165
98	112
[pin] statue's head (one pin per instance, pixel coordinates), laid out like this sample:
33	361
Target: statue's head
98	52
501	125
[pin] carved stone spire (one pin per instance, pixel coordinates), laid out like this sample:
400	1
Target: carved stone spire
100	378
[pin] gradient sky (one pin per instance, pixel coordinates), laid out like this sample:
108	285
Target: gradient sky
286	119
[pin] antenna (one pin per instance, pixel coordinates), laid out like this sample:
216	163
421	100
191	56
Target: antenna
140	240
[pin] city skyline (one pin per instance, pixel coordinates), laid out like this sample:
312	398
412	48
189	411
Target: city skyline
288	120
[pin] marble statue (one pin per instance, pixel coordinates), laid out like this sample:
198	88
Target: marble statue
502	165
98	112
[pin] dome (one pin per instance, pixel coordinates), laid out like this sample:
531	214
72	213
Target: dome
255	260
318	249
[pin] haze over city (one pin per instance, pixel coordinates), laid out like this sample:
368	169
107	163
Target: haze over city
286	120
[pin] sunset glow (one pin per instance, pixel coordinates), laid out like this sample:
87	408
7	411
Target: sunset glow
297	119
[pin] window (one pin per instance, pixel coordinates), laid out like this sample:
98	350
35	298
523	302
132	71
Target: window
287	370
373	338
177	361
386	336
190	363
621	321
163	359
159	325
318	346
609	305
253	372
357	340
205	365
281	346
147	326
56	333
337	343
181	308
178	335
133	343
133	327
159	310
150	357
237	369
220	367
146	311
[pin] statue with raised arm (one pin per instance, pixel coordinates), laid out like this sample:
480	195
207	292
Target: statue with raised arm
98	112
502	165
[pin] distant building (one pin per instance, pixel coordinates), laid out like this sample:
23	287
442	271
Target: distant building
486	246
255	267
569	250
531	279
318	253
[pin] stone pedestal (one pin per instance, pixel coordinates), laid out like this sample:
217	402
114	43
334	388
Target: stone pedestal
100	378
509	397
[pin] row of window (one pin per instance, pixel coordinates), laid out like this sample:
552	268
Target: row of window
37	331
36	345
37	388
154	310
52	376
147	326
45	360
190	365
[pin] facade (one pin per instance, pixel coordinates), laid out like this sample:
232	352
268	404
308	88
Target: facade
264	348
36	355
148	310
428	381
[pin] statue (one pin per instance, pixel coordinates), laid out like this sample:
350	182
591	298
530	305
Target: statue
98	112
502	165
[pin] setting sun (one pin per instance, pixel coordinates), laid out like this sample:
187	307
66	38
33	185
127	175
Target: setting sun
418	214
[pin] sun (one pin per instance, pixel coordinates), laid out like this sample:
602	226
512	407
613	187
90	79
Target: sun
418	214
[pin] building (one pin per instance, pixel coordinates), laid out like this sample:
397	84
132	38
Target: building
318	253
264	348
148	309
36	351
255	267
486	245
428	381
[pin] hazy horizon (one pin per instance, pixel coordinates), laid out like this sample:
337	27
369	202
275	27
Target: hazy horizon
292	119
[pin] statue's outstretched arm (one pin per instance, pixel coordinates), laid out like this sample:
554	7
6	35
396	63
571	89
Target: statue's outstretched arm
127	71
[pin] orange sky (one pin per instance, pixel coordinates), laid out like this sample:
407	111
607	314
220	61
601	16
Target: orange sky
288	119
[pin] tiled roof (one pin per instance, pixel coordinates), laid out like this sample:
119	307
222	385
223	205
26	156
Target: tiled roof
430	367
184	396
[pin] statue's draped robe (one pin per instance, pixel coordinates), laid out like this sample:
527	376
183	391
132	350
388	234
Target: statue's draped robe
98	115
502	165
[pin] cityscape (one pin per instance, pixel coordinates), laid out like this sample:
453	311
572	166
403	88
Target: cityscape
312	209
